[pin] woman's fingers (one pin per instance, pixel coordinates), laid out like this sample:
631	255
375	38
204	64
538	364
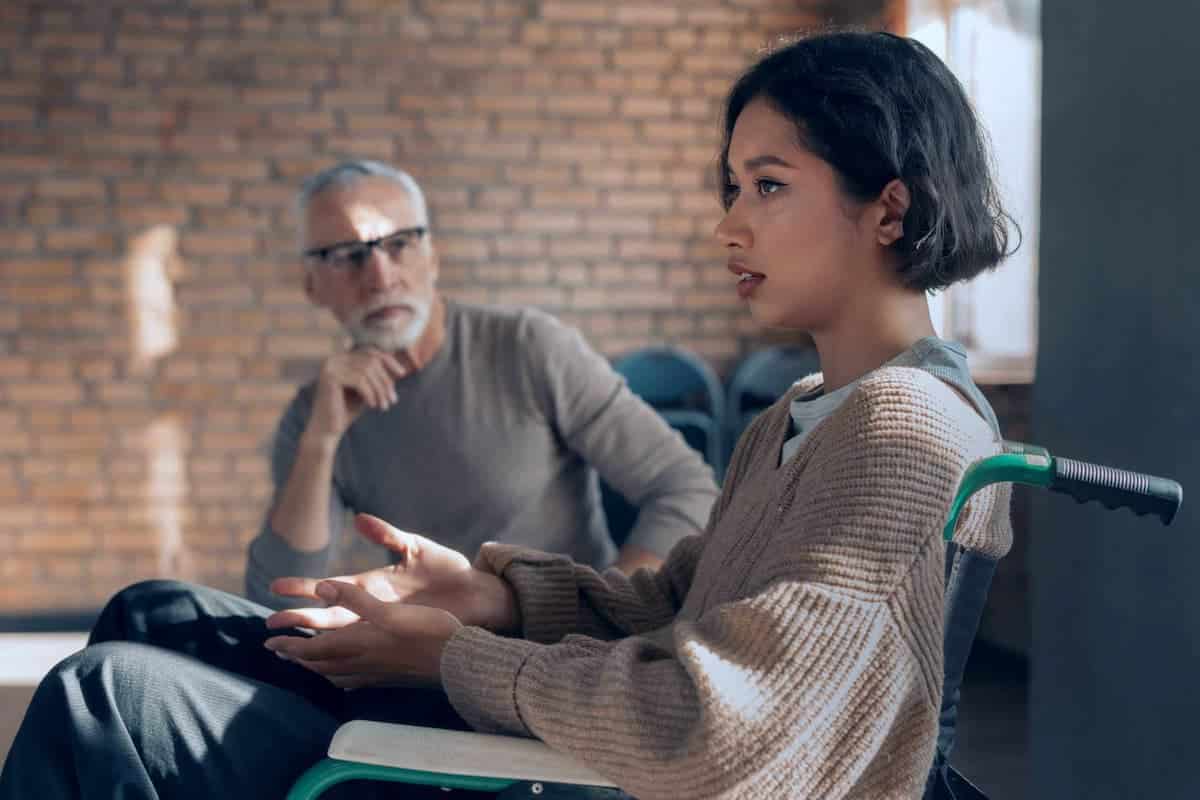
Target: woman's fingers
337	667
348	642
355	599
321	619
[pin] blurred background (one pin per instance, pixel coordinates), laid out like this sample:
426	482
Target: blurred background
152	324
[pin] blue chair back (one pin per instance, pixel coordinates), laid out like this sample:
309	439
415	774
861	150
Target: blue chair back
686	392
761	379
669	377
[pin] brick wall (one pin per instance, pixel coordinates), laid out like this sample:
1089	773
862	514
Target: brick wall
151	321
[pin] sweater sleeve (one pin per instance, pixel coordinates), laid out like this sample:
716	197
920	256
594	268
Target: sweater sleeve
617	434
707	707
826	663
558	596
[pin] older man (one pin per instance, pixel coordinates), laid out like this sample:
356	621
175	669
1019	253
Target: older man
463	423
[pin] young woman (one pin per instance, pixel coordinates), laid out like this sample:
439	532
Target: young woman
793	650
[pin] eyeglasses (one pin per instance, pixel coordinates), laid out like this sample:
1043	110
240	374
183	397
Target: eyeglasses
349	258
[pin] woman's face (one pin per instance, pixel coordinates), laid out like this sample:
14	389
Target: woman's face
797	243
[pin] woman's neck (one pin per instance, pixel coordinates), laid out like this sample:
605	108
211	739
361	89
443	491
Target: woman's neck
870	335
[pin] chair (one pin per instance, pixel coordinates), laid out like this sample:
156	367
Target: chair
685	391
527	768
761	379
682	387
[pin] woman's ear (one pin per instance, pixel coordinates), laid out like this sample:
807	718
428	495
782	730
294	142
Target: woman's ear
893	202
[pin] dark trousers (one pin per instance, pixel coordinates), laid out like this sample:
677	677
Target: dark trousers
175	697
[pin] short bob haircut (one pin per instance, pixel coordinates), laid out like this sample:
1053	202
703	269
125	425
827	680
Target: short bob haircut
878	107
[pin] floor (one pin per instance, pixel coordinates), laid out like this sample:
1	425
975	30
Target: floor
992	749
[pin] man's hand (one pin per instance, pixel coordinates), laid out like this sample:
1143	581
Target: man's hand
391	644
349	383
428	574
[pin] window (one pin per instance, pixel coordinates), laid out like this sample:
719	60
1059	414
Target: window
994	47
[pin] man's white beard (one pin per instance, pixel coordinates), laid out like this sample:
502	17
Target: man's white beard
387	336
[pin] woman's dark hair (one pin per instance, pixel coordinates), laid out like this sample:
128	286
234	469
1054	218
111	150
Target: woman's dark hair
878	107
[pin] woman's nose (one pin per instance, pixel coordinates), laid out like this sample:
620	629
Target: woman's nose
732	231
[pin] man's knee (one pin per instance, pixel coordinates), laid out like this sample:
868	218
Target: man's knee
126	616
81	675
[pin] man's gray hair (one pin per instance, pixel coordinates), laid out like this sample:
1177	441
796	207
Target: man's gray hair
350	172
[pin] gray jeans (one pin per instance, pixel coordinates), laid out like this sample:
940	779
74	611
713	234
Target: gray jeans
175	696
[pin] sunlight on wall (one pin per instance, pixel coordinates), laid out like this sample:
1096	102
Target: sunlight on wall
152	264
166	491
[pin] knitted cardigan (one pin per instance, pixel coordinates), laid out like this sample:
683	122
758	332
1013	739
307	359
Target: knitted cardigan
794	650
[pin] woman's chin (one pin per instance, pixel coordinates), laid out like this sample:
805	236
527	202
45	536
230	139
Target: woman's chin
767	315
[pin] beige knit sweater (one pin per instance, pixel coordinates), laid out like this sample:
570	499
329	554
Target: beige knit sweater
792	651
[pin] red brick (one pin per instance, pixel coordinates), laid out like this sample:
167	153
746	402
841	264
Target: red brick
17	241
71	189
656	60
575	11
639	15
44	393
20	114
471	221
538	174
565	198
717	17
617	223
219	244
546	221
519	246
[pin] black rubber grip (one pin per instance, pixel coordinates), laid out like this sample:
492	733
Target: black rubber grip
1118	488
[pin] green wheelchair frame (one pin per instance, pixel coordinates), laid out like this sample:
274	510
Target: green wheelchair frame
363	750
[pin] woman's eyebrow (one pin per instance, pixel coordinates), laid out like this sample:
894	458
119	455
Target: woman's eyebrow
765	161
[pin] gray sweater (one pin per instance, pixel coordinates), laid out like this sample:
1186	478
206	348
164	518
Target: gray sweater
499	438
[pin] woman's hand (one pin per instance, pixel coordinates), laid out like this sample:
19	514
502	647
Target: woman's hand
427	574
389	644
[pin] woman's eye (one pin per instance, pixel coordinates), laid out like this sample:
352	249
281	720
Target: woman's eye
767	186
729	193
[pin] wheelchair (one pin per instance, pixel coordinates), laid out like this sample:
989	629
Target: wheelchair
516	767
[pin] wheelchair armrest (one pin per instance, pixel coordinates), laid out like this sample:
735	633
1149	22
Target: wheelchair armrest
457	753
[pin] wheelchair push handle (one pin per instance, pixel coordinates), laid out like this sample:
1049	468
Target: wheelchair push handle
1035	466
1117	488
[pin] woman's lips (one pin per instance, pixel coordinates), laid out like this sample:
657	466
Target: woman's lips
748	279
747	285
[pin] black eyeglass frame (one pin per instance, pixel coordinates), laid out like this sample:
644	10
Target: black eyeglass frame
356	253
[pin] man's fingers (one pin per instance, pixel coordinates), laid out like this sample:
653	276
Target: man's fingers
381	382
321	619
393	365
385	380
369	392
295	587
394	539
